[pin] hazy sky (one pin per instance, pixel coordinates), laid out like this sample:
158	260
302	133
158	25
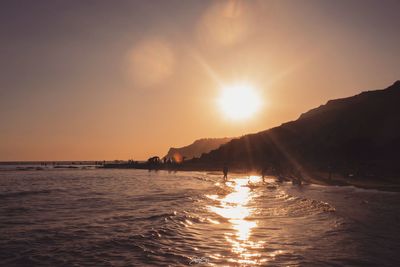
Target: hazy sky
94	80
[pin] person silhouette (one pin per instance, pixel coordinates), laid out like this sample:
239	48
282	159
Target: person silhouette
263	173
225	171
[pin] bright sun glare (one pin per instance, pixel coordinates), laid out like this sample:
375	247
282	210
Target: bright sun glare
239	101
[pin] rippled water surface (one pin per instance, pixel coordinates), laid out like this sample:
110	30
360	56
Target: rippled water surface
138	218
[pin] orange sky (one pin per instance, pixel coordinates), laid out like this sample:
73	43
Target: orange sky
131	79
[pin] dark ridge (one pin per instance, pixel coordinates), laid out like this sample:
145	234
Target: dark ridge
197	148
358	134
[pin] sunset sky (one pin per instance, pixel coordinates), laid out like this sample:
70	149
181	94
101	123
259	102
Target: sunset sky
94	80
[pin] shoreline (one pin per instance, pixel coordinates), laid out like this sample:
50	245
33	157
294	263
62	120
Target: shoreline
314	177
356	182
388	185
318	180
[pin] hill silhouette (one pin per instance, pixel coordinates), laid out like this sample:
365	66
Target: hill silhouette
358	135
197	148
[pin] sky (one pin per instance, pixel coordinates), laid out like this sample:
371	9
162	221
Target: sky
106	80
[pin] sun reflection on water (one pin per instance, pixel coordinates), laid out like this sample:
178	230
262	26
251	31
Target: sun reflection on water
235	208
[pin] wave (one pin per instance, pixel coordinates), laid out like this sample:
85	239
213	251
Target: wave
29	193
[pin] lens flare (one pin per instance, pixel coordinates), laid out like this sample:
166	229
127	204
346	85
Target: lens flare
151	61
226	23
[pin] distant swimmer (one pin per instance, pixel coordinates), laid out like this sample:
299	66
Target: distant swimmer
225	171
296	181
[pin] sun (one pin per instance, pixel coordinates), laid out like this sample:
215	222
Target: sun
239	101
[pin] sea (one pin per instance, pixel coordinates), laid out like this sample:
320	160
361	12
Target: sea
88	216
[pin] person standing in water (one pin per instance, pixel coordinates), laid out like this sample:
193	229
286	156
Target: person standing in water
225	171
263	173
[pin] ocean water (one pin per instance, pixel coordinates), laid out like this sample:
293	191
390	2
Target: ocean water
101	217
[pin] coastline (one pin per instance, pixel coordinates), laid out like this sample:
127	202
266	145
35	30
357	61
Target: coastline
314	177
384	184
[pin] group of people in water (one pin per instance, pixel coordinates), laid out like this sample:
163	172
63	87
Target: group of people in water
295	180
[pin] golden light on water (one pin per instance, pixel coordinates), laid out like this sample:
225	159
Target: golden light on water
239	101
234	207
254	179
